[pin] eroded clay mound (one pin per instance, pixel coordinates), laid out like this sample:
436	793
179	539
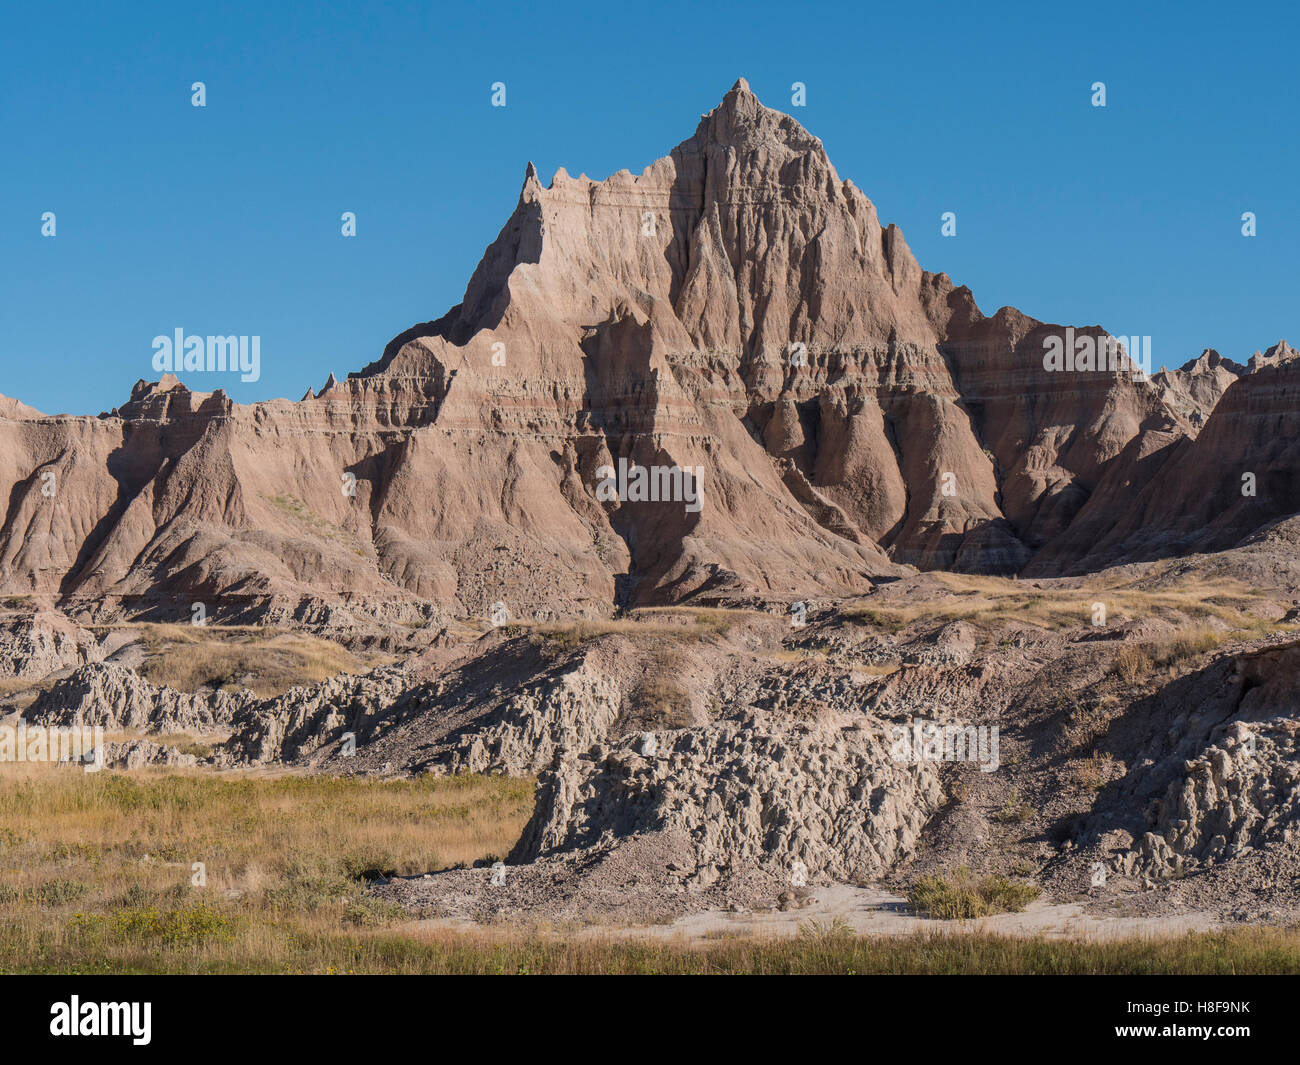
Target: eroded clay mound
117	698
43	642
307	718
1241	792
753	790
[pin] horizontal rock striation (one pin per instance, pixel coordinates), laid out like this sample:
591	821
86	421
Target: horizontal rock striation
737	310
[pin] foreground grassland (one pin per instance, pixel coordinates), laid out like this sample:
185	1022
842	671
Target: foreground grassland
96	871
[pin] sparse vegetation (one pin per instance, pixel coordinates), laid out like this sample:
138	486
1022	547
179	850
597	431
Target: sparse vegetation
1222	607
266	661
961	896
97	869
77	893
1014	811
680	623
1132	664
1087	721
836	932
1135	663
887	620
659	700
1092	773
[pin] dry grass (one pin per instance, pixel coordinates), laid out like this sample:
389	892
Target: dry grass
1092	773
886	619
678	623
659	702
96	869
832	949
268	662
1156	658
1132	664
962	897
77	894
1226	605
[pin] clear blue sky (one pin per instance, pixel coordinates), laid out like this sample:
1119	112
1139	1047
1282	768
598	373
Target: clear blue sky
226	219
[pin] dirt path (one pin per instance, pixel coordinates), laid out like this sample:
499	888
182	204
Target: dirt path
872	911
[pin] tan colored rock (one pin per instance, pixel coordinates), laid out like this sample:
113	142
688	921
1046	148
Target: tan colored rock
735	309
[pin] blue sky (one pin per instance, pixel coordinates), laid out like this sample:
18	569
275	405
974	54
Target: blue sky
225	219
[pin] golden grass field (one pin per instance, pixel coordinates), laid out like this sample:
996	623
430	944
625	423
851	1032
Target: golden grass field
96	871
96	868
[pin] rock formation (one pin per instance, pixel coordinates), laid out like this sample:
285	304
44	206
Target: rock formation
736	313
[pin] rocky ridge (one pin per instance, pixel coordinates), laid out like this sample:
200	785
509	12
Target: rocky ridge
736	308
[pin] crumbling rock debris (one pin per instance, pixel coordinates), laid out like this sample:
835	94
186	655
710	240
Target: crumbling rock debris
743	791
117	698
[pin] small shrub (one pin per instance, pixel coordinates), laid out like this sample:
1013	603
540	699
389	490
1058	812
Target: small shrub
369	866
960	896
370	912
833	933
185	928
1087	722
58	892
1014	811
1092	773
1132	664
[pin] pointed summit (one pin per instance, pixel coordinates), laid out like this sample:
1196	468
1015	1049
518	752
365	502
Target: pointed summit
1279	353
742	122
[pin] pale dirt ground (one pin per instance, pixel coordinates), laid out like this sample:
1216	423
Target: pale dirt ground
871	911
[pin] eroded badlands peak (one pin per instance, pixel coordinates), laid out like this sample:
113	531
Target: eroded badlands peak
733	243
1194	389
1280	354
735	318
739	283
12	408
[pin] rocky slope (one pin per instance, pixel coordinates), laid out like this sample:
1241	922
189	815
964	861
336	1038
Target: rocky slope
713	759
